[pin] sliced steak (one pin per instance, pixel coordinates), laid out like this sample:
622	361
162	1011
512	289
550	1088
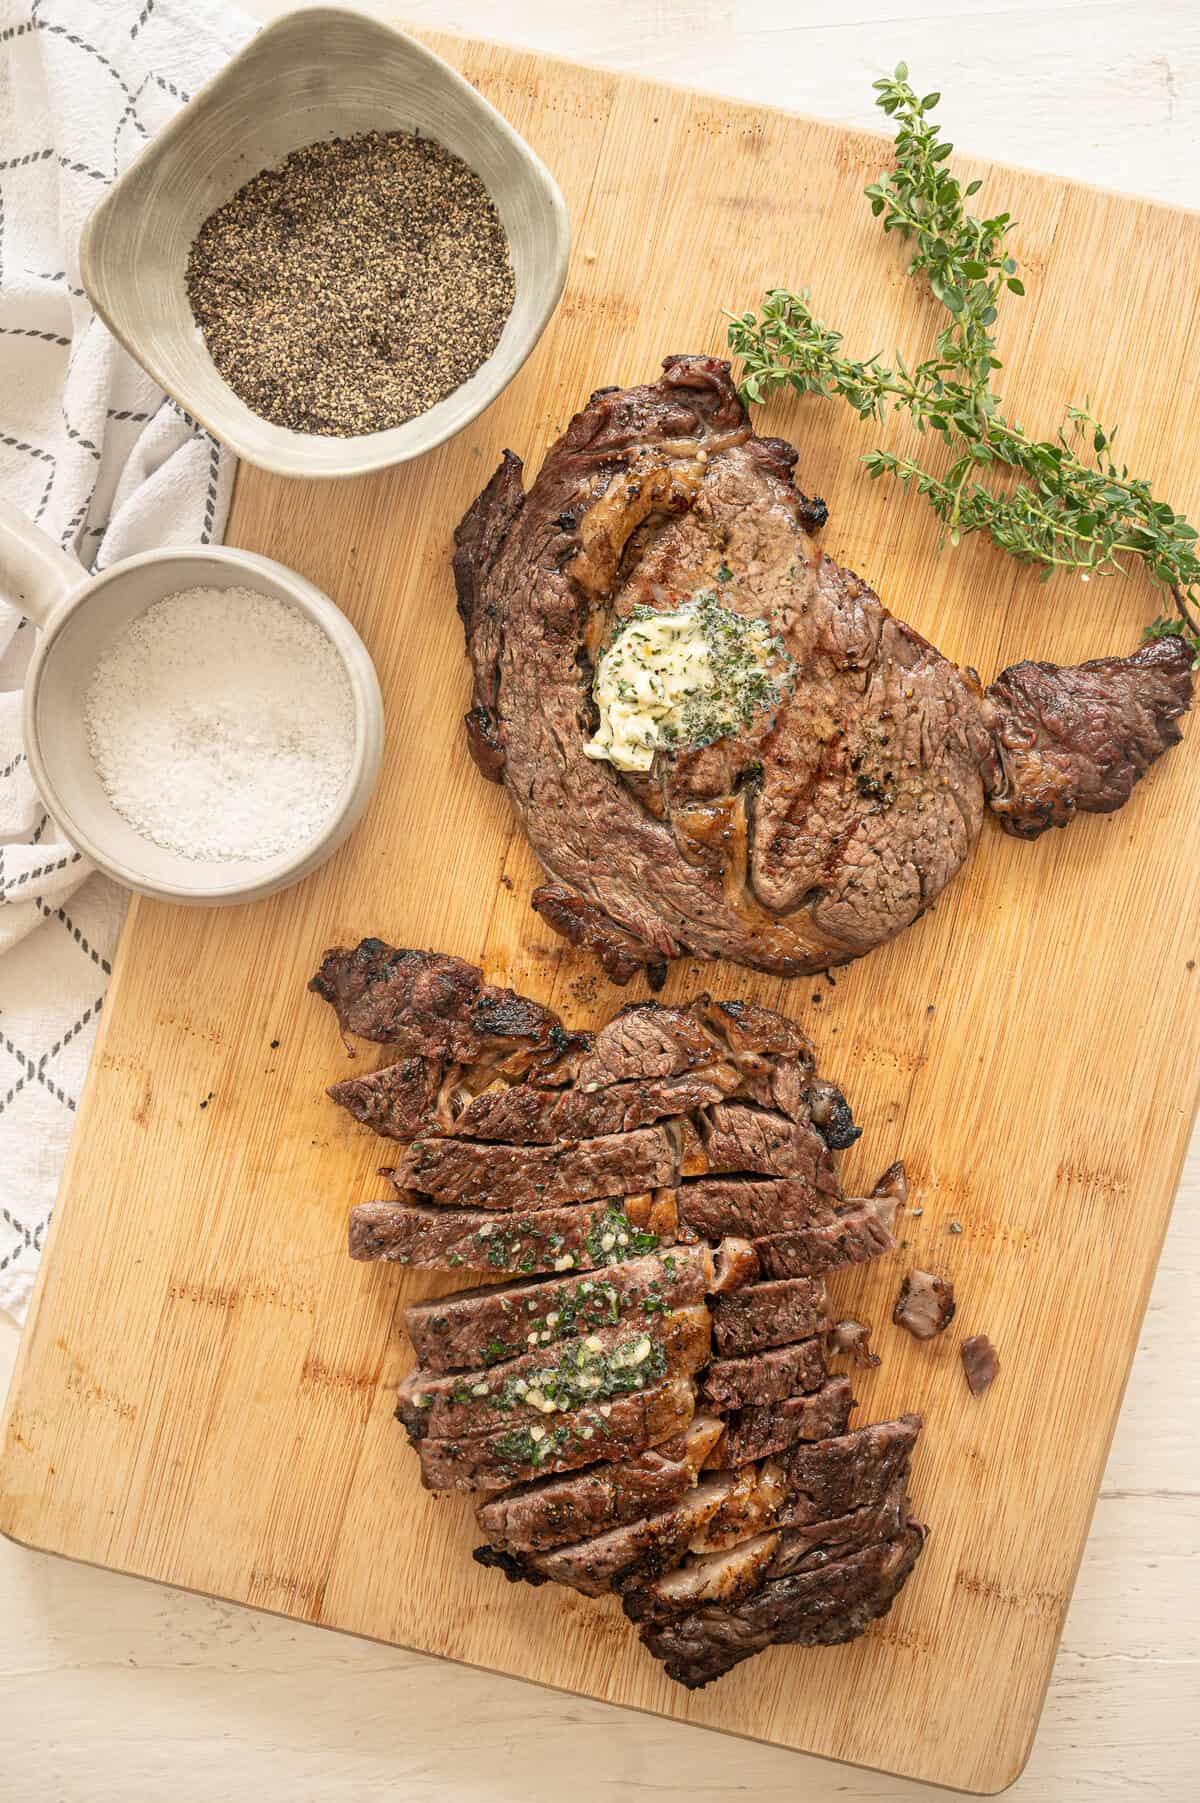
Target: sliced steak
407	1101
558	1511
659	1541
738	1138
772	1427
591	1369
725	1577
738	1570
401	1101
610	1430
832	817
587	1237
434	1006
750	1506
748	1028
764	1376
458	1172
852	1238
852	1471
769	1314
524	1115
753	1207
646	1042
821	1607
474	1328
803	1548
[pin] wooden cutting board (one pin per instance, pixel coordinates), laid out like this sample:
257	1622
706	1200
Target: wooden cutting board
205	1387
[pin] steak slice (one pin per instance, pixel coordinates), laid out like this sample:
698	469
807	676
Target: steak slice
748	1564
772	1427
557	1511
588	1237
598	1565
764	1376
752	1207
435	1006
455	1172
835	816
850	1472
613	1430
769	1314
725	1577
748	1028
738	1138
591	1369
474	1328
834	1603
401	1101
852	1238
735	1573
722	1510
405	1101
804	1548
524	1115
649	1041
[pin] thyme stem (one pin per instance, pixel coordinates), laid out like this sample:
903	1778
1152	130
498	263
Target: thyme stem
1071	507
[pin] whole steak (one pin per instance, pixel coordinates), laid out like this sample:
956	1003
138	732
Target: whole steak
832	816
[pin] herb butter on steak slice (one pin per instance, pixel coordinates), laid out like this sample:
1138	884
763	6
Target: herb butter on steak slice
825	798
546	1383
606	1430
474	1328
557	1511
583	1238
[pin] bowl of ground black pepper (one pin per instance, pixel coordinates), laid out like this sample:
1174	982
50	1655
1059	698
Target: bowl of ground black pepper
336	255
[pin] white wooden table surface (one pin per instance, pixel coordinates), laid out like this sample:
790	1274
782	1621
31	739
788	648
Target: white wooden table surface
113	1691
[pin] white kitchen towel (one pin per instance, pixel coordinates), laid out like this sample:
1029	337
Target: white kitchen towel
107	466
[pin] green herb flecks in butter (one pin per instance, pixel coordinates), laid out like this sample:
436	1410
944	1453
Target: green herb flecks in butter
683	679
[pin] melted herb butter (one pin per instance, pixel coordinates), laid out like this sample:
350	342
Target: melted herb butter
682	678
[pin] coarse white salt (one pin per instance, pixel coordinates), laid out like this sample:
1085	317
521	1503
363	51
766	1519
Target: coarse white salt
221	724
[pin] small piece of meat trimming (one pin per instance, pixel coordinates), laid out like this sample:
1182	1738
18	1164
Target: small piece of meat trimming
925	1305
980	1363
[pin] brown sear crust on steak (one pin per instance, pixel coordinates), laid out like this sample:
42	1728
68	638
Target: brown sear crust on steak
664	1184
821	1607
435	1006
1076	740
819	830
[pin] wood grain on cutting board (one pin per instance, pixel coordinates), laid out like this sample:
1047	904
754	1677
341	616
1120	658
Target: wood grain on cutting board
205	1388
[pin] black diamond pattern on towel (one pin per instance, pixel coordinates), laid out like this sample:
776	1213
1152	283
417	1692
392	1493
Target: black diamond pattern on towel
77	418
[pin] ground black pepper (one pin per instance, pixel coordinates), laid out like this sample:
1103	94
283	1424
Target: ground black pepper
353	286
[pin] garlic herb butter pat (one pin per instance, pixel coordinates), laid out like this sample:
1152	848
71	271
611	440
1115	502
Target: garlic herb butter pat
682	678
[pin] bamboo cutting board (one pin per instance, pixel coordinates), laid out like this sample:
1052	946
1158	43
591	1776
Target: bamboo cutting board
205	1387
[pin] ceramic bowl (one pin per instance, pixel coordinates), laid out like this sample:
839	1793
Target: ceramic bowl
319	73
80	616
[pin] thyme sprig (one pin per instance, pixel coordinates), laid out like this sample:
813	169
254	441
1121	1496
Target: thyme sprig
1062	503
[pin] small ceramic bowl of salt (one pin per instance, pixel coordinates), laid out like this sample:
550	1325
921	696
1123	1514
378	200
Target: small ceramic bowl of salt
204	724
